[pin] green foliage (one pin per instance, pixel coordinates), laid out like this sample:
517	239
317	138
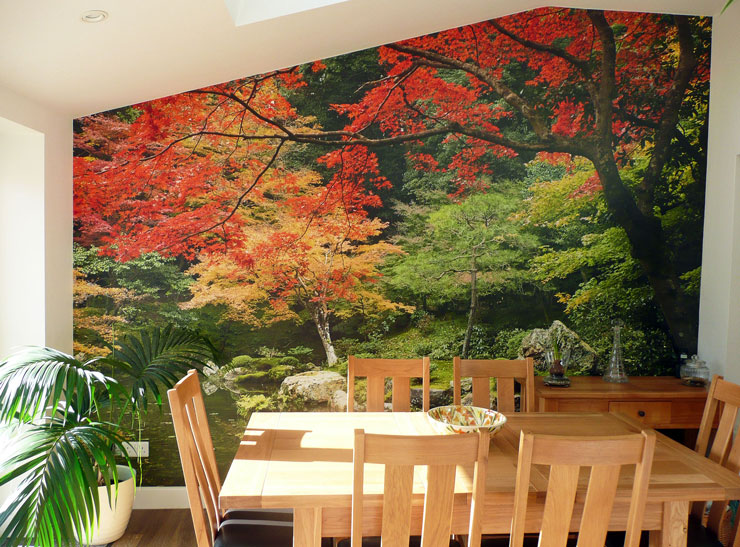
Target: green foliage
646	348
289	361
264	351
150	274
444	244
692	281
277	401
302	353
155	360
265	363
587	263
256	377
59	497
63	454
241	361
507	343
265	372
247	404
280	372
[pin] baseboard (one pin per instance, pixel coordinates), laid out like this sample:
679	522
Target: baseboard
161	497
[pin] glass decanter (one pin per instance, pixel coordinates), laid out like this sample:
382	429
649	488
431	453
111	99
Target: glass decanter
615	373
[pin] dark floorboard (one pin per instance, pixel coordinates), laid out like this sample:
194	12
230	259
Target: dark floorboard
159	528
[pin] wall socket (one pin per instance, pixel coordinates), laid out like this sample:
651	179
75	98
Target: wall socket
136	449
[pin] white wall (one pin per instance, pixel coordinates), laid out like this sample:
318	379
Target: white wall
22	290
719	315
36	243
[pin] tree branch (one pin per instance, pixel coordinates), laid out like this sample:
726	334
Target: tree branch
538	123
581	64
607	83
669	120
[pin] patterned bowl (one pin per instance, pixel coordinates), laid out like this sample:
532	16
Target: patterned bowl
465	419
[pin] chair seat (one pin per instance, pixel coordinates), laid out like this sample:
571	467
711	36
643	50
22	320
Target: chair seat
697	536
281	515
414	541
529	541
254	533
701	536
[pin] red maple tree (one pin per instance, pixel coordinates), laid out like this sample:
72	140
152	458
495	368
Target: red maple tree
602	85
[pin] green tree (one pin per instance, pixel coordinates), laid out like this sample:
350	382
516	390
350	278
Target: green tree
586	263
466	249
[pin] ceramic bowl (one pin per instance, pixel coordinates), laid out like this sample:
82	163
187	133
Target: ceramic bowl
465	419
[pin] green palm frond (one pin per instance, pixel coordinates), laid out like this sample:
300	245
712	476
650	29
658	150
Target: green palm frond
58	456
34	379
58	463
156	359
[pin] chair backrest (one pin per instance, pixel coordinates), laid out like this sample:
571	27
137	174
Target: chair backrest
505	371
723	397
377	370
566	455
197	457
399	454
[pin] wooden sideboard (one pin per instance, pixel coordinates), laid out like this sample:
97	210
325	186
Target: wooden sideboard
657	401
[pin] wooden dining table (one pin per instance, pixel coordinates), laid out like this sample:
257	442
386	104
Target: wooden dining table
304	461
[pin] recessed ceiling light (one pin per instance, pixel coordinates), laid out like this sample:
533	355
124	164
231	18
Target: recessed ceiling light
94	16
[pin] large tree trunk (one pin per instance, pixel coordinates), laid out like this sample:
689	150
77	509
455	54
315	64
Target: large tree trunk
321	320
648	246
636	214
473	308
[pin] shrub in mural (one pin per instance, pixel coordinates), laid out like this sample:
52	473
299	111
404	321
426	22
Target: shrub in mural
439	196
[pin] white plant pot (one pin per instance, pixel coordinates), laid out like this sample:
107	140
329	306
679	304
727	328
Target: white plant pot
113	521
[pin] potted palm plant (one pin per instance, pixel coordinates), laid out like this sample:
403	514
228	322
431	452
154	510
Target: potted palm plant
65	418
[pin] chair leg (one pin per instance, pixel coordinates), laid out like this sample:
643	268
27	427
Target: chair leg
461	538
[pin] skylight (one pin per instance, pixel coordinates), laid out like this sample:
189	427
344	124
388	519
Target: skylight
244	12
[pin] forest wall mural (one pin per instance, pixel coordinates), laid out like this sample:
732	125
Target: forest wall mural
439	196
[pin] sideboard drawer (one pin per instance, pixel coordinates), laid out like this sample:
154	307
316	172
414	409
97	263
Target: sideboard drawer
651	413
582	405
662	402
684	413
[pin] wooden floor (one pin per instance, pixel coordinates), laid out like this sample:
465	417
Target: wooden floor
159	528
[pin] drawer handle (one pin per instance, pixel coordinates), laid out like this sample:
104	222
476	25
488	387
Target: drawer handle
641	413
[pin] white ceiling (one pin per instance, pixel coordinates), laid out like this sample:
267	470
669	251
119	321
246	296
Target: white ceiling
153	48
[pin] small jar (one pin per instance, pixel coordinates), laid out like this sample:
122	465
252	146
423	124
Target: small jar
695	372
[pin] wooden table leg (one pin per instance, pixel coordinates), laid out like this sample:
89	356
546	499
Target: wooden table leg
307	527
675	525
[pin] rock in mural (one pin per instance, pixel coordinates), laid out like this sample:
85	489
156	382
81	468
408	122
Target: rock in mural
316	386
338	402
437	397
581	357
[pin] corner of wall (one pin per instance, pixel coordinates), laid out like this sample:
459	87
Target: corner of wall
52	208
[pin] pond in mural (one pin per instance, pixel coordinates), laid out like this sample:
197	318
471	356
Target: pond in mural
446	195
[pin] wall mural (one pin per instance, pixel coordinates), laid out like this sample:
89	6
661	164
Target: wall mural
440	196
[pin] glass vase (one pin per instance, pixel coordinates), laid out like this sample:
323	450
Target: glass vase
615	373
556	368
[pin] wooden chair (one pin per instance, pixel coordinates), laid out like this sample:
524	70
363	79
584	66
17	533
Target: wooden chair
399	454
377	370
505	372
255	528
723	397
565	456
